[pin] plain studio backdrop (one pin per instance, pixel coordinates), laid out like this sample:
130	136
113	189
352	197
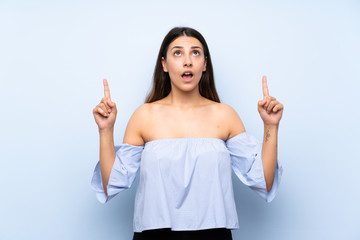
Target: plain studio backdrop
54	55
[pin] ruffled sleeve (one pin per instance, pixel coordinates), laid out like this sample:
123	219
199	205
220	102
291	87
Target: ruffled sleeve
246	161
123	172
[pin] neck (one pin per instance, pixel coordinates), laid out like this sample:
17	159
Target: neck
183	99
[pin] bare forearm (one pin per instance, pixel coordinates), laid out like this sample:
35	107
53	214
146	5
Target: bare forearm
269	154
107	155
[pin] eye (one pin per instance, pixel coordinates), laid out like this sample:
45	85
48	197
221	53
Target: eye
196	53
177	53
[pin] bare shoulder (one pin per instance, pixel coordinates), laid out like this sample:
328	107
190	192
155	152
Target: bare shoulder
135	126
231	118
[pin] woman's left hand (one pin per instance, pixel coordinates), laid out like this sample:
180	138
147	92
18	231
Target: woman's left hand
269	108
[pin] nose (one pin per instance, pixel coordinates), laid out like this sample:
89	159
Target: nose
187	61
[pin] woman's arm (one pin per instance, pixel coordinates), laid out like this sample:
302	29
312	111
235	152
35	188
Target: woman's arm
105	117
271	112
107	155
269	154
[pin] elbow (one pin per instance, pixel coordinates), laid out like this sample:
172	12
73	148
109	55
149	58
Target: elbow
269	185
105	189
269	180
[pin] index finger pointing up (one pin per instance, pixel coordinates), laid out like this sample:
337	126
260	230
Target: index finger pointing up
265	87
106	89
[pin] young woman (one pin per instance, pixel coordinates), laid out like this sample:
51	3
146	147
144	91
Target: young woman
185	144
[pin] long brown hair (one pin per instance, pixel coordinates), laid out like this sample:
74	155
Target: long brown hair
161	81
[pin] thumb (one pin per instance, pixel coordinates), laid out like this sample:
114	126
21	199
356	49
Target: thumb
262	102
112	104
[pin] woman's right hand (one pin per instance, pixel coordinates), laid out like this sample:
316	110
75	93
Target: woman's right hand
105	112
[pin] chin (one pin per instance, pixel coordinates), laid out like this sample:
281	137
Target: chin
186	87
189	87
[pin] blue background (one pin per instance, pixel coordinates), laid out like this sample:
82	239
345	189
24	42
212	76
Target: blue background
54	55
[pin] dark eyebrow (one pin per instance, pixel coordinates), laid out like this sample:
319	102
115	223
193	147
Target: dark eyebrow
183	47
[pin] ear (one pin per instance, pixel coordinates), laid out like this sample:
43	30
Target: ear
204	68
163	62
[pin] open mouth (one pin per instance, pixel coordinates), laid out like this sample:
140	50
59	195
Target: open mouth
187	75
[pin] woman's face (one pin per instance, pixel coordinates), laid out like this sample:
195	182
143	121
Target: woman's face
185	61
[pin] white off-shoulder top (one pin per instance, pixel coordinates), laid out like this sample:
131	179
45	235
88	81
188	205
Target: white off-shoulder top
185	183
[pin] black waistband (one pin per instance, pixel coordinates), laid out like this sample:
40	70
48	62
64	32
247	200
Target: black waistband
168	234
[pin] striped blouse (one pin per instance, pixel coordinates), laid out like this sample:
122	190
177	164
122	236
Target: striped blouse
185	183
